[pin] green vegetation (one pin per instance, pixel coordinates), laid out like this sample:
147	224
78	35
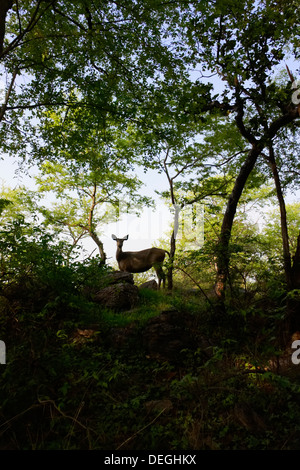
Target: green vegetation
204	94
79	376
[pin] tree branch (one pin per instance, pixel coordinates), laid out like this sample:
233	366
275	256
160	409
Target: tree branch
5	5
4	105
36	15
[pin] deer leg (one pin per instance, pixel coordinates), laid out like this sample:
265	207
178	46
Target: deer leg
160	275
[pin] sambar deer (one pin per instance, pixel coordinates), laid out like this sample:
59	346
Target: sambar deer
140	261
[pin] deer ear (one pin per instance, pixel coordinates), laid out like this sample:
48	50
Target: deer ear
126	238
113	237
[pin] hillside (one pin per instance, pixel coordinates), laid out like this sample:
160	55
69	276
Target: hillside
169	374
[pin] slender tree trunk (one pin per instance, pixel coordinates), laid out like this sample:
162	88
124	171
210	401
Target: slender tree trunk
296	266
99	243
91	230
291	270
292	323
175	225
223	254
171	262
283	219
173	247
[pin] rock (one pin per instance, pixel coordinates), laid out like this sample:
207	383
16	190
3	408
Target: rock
149	285
118	277
93	292
166	335
118	297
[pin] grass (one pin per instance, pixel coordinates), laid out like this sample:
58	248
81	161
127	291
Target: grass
151	304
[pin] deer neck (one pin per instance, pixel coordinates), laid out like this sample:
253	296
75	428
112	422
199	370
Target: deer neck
119	253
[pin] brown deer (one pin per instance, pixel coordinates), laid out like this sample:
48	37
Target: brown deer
140	261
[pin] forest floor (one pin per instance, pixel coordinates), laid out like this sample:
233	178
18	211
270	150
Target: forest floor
170	374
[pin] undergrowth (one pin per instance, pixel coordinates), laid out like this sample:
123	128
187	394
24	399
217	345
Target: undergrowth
69	385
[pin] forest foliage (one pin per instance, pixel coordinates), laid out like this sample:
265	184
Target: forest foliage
206	95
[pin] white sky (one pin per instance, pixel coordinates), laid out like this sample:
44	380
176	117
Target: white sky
144	231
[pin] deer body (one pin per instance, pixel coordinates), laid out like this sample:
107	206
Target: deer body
140	261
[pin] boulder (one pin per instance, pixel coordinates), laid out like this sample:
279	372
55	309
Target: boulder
117	291
118	277
149	285
118	297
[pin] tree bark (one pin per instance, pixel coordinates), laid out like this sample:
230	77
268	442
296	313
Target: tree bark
171	262
296	266
91	230
223	255
5	5
99	243
173	247
291	112
283	219
4	105
292	321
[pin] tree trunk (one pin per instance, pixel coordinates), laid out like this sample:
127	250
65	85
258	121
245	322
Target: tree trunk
173	247
5	5
292	323
171	261
99	243
283	220
92	232
292	271
223	254
296	266
4	104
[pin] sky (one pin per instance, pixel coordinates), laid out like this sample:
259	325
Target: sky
144	231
